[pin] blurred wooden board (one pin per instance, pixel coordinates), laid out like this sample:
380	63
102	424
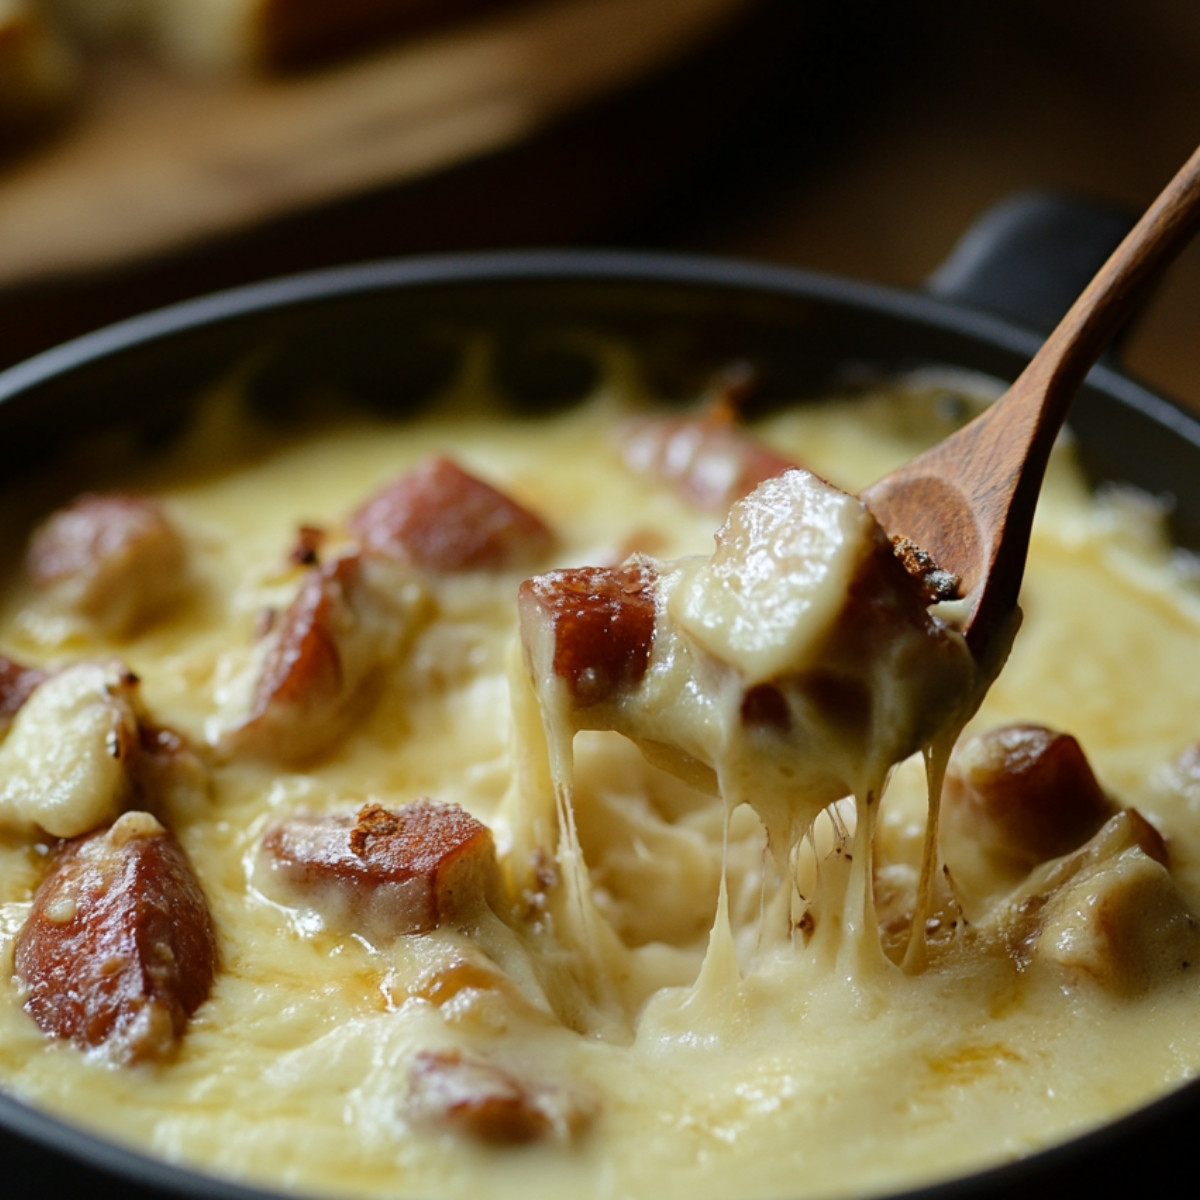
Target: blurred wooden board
155	161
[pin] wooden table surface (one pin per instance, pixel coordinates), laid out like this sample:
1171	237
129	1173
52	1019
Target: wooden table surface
852	136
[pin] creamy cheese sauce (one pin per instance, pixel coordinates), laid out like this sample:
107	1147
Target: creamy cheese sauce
659	980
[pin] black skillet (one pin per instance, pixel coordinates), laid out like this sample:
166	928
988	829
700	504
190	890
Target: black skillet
388	334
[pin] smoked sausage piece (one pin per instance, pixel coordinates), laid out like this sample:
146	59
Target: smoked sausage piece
1026	792
599	622
115	559
386	871
441	518
709	460
119	950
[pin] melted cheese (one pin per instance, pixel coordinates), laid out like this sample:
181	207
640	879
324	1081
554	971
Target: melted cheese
650	979
803	602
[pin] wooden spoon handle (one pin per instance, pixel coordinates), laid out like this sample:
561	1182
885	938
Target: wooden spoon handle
969	501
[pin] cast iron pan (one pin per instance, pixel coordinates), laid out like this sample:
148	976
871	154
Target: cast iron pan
388	335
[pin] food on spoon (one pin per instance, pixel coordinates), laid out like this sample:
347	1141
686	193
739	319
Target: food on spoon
592	627
119	949
793	667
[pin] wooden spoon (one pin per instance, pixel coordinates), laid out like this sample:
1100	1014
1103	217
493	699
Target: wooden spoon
968	502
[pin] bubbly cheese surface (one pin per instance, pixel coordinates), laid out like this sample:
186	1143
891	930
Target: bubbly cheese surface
650	976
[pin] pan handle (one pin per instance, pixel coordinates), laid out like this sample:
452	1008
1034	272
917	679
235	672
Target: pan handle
1028	257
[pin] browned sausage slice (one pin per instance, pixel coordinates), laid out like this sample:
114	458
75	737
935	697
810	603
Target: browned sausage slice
593	625
119	950
1027	793
304	666
442	518
113	558
478	1099
348	620
708	460
385	871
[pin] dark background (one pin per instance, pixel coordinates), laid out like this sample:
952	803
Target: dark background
850	136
